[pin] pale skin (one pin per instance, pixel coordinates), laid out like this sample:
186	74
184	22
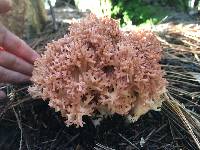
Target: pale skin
17	58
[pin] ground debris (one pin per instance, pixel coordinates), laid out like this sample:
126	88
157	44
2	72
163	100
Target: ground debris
44	129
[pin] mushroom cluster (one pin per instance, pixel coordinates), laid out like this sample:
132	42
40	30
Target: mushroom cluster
97	68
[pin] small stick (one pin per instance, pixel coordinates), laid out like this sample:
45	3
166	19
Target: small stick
129	142
55	27
20	127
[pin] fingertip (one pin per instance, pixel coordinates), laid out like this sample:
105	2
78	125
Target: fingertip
2	95
23	78
17	46
10	4
35	56
5	5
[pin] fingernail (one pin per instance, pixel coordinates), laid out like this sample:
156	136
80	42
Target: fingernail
35	56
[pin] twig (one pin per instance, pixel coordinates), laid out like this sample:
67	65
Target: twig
149	135
55	27
54	143
179	112
20	127
132	144
72	139
103	147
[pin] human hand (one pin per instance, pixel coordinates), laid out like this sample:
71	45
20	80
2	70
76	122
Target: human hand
16	57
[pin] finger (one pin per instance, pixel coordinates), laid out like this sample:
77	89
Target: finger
16	46
2	95
5	5
11	62
9	76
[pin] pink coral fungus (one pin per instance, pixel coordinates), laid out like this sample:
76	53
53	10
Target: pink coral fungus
99	68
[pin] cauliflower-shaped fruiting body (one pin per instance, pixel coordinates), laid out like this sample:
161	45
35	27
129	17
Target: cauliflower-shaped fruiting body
97	67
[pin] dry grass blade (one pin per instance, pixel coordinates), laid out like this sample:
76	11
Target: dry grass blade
128	141
192	127
20	127
181	64
102	147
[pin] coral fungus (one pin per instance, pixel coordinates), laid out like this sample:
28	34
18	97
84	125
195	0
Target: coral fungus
99	68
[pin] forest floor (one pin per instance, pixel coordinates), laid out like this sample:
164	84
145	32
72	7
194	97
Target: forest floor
30	124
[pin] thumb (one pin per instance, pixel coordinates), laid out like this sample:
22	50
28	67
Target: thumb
5	5
2	95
